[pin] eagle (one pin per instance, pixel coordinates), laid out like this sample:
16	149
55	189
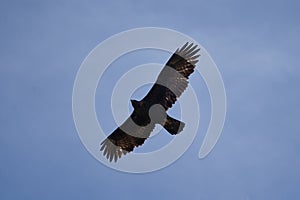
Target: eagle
152	109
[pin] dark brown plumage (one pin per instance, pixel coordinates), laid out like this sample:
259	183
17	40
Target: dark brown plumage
151	110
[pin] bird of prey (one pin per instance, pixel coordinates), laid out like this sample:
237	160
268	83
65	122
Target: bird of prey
152	109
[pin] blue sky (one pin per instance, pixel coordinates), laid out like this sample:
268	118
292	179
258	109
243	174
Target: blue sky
254	44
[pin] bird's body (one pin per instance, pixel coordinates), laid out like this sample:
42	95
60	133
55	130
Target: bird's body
152	109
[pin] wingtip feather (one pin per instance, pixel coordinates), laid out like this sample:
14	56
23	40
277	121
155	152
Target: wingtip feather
189	52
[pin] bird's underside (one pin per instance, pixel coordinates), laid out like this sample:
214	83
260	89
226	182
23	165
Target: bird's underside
151	110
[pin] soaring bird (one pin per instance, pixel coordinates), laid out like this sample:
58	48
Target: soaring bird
152	109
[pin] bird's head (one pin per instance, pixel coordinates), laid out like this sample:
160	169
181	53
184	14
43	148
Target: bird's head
136	104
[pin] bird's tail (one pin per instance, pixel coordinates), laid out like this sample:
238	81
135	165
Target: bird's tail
173	126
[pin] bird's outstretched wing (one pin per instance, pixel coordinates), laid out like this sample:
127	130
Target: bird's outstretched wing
125	138
173	79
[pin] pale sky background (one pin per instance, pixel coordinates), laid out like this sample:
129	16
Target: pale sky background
254	44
